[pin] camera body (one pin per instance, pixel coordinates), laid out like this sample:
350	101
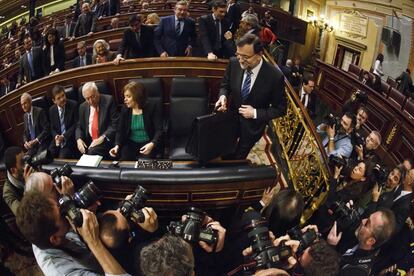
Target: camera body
265	254
332	121
357	139
360	96
305	239
57	173
379	175
192	230
131	208
83	198
346	218
336	161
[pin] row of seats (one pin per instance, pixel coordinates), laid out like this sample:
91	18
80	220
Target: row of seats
188	100
389	90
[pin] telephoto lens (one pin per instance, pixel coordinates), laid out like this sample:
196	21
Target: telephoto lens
87	195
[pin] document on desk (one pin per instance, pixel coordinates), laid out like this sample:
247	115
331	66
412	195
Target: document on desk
89	160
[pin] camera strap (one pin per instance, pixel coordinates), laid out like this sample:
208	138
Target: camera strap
326	144
242	267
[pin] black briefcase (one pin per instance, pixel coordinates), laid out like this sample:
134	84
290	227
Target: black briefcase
212	136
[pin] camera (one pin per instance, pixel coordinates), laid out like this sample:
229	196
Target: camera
57	173
357	139
332	121
379	175
36	160
336	161
346	218
131	208
83	198
191	230
265	254
305	239
360	96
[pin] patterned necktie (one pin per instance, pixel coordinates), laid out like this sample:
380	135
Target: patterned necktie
30	60
178	27
62	121
81	63
246	85
31	128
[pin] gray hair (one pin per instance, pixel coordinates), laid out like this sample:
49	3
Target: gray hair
39	181
89	85
106	45
251	20
289	62
26	95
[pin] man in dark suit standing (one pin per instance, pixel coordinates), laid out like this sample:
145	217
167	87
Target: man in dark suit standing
98	118
111	7
405	83
308	96
215	37
63	119
254	90
137	41
31	64
86	24
66	30
176	34
36	126
83	57
233	14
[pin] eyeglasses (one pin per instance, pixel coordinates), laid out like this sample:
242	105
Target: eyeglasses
244	57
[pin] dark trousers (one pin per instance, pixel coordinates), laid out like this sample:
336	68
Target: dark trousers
130	151
246	140
68	151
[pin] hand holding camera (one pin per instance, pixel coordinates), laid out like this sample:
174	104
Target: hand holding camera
150	223
221	234
89	229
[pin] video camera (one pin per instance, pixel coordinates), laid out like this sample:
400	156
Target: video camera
57	173
36	160
83	198
265	254
305	239
192	230
346	217
131	208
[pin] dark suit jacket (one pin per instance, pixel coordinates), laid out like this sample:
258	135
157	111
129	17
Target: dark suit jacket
296	80
312	102
86	23
110	9
166	39
12	86
152	124
62	30
108	119
110	56
40	124
234	16
59	56
267	95
131	48
400	207
208	37
24	71
70	118
76	61
405	83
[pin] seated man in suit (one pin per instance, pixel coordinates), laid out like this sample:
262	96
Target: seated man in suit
98	118
137	40
215	37
36	126
6	86
83	57
63	119
101	52
31	64
255	90
367	80
86	24
176	34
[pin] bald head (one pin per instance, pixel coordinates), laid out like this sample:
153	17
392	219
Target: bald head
41	182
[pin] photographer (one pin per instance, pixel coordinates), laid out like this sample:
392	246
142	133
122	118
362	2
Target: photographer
361	248
43	183
355	101
362	118
365	149
337	140
17	174
58	250
315	258
121	236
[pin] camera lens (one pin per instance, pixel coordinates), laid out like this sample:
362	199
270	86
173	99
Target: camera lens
87	195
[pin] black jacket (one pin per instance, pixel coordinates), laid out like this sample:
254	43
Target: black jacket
131	48
152	124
